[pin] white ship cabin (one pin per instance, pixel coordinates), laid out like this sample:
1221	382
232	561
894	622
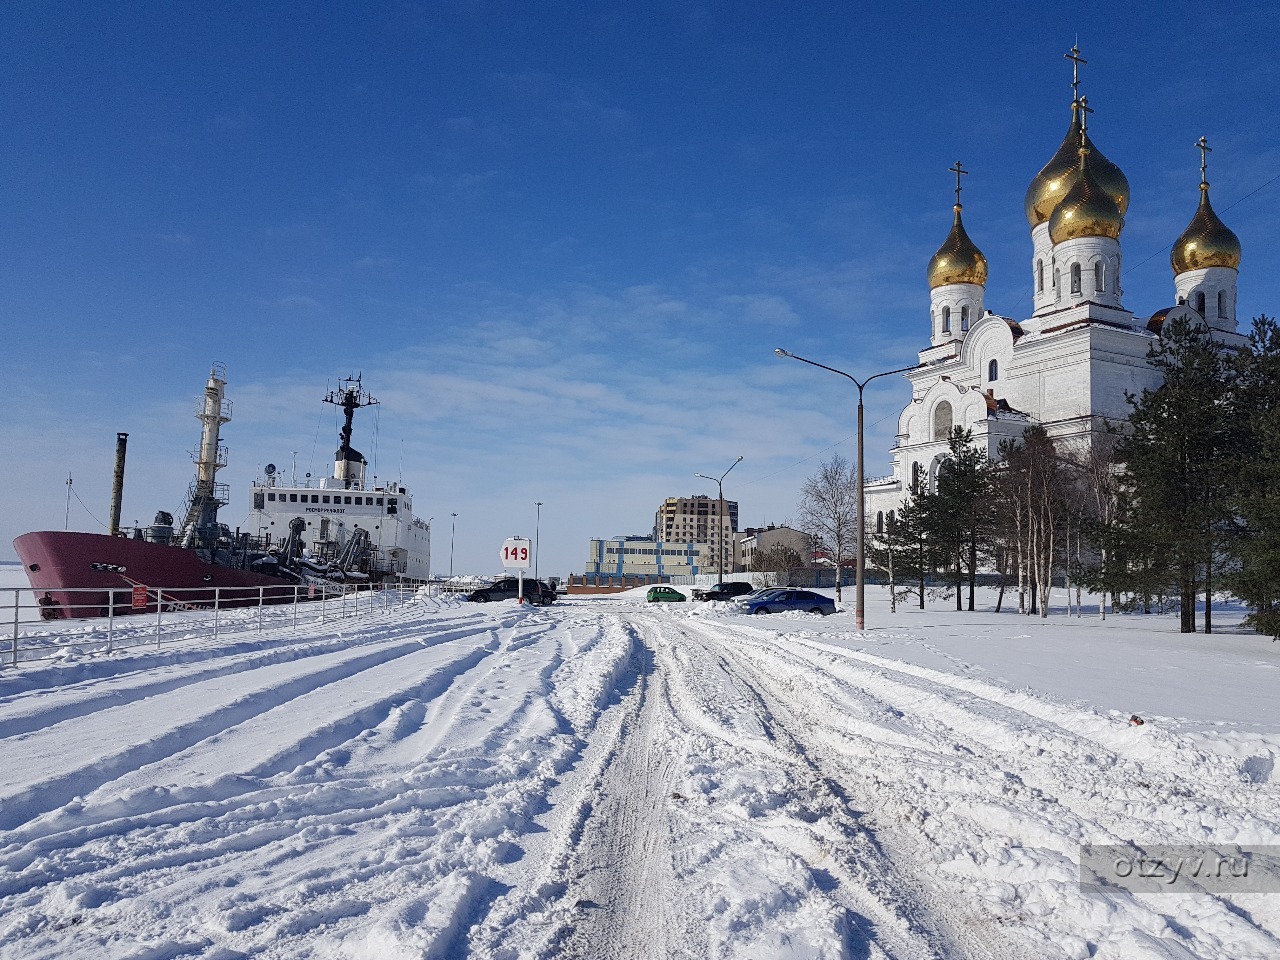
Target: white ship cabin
335	509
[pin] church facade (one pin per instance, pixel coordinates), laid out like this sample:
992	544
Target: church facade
1066	367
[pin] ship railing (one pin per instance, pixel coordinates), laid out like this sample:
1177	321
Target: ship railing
71	623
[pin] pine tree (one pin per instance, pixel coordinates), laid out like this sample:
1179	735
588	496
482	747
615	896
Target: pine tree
1177	464
960	511
1255	578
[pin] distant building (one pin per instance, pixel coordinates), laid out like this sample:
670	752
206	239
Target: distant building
642	556
698	520
757	540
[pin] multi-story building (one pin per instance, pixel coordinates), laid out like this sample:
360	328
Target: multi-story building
699	520
760	540
641	556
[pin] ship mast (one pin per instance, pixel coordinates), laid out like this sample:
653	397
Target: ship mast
206	495
349	463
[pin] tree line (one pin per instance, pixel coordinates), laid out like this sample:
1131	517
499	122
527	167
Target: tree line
1178	504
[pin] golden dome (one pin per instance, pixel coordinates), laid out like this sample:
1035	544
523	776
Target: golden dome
1051	184
1207	241
1087	210
957	260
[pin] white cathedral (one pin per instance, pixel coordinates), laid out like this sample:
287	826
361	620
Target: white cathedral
1068	366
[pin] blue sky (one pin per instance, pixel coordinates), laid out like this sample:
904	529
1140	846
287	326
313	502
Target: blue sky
559	240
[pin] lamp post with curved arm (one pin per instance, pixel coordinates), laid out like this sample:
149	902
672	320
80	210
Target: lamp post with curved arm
719	482
860	581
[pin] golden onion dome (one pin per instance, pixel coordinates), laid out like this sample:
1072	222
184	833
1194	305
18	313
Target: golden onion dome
1087	210
1207	241
1051	184
958	260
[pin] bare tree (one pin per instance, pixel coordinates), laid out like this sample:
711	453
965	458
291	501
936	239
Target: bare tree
829	510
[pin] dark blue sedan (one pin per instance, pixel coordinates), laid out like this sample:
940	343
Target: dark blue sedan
777	601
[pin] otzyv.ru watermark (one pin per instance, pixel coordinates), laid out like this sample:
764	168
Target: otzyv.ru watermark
1180	869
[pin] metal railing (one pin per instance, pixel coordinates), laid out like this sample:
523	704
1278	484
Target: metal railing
42	626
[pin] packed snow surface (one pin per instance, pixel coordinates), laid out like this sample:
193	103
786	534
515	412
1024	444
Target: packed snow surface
609	778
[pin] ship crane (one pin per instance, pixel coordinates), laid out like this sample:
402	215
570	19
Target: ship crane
206	495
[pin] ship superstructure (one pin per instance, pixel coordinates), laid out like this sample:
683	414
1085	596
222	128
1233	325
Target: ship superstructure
347	525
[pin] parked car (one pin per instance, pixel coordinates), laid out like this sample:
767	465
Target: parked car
776	601
508	588
724	591
664	593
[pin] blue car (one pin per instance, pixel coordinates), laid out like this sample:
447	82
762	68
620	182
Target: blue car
777	601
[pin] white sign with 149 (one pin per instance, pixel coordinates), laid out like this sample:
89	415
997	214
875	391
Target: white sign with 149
516	553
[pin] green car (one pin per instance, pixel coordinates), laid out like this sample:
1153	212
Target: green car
669	594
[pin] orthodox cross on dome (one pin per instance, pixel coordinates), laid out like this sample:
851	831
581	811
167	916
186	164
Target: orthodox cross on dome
1085	110
1076	60
959	171
1205	150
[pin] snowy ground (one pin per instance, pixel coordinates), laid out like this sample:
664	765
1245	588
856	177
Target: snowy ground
606	778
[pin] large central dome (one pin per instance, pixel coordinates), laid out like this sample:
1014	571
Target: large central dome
1051	184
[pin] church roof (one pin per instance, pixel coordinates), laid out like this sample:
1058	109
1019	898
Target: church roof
1087	209
1207	241
958	260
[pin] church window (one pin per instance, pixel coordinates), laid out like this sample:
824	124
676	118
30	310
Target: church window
1099	281
1057	283
892	520
993	370
964	318
1200	303
942	421
1075	278
880	521
915	478
1039	276
1222	304
946	319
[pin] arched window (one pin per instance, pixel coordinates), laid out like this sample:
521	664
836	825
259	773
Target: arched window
1200	302
1039	276
1099	278
879	521
893	520
946	319
942	421
915	478
964	318
1222	304
993	370
1057	284
1075	278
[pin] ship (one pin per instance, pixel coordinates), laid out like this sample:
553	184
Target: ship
346	528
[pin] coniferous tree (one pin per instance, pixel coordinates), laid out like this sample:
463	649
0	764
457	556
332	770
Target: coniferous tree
1255	576
1177	465
960	510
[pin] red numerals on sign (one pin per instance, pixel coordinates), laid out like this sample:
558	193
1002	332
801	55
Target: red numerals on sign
515	553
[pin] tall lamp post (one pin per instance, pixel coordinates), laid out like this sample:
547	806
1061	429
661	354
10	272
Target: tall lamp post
537	537
859	606
453	528
719	482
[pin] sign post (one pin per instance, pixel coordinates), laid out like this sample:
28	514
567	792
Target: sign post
516	556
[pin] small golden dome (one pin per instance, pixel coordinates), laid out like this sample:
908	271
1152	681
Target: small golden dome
957	260
1087	210
1051	184
1207	241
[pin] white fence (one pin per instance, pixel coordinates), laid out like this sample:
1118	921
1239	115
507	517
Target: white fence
104	621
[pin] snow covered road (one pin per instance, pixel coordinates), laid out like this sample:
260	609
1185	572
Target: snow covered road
598	779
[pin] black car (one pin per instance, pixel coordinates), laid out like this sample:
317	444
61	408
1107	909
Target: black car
508	588
724	591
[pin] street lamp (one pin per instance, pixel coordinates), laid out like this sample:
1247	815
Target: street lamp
719	482
859	607
537	538
453	527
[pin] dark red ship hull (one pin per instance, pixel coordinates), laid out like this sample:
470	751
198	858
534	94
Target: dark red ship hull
92	574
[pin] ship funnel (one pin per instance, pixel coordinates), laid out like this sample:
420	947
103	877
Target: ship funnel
117	484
